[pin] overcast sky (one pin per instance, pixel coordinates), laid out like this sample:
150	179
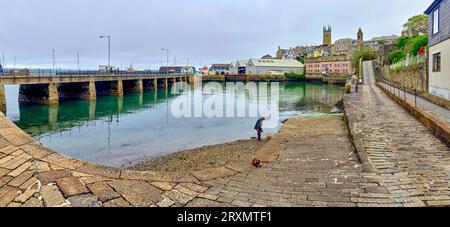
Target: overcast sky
211	31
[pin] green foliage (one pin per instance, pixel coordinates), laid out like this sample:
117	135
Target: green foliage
407	45
418	23
300	59
398	68
366	53
183	157
397	56
296	76
415	44
401	42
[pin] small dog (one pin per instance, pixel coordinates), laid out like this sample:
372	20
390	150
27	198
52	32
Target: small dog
256	163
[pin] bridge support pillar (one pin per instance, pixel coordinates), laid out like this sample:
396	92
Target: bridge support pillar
2	99
140	86
92	91
117	88
166	83
191	79
155	84
53	96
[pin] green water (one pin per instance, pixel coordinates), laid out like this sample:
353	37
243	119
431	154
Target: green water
117	131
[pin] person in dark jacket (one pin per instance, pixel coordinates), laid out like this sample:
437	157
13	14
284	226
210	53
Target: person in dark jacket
258	127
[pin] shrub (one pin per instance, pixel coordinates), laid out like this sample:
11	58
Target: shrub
416	43
401	42
397	56
294	76
398	68
367	54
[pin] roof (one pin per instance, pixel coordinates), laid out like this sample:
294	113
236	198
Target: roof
242	62
171	67
276	63
386	37
220	65
433	6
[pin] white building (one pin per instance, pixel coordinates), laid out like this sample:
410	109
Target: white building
274	66
234	66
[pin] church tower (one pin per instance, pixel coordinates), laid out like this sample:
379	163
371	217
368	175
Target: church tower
360	39
327	36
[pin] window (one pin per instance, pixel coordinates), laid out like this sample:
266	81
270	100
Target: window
437	62
436	21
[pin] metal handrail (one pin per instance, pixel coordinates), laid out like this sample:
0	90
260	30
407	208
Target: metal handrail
75	73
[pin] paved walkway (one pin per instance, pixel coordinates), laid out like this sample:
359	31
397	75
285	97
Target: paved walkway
429	107
369	75
409	160
315	167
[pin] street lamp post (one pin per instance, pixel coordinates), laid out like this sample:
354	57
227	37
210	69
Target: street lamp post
167	69
187	59
54	62
109	50
78	62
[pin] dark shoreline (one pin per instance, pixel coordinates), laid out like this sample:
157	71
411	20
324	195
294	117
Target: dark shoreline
205	157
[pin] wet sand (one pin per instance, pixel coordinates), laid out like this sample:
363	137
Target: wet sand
203	157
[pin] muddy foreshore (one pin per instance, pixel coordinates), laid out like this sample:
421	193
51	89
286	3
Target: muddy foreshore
203	158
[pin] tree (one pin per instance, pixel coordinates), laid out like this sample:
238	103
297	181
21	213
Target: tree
397	56
366	53
300	58
415	44
401	42
416	25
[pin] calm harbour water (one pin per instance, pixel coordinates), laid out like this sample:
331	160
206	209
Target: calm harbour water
116	131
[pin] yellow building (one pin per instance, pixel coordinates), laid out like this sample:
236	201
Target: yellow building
316	54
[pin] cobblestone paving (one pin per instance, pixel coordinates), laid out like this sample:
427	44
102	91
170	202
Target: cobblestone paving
316	167
410	162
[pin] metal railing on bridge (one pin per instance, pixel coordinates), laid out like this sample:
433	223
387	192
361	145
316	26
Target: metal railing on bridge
74	73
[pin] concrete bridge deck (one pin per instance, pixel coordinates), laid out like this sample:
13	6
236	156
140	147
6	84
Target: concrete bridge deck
51	90
9	80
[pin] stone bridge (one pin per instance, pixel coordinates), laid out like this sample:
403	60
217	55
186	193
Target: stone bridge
52	89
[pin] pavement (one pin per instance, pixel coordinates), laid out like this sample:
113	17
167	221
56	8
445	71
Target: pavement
408	160
435	110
